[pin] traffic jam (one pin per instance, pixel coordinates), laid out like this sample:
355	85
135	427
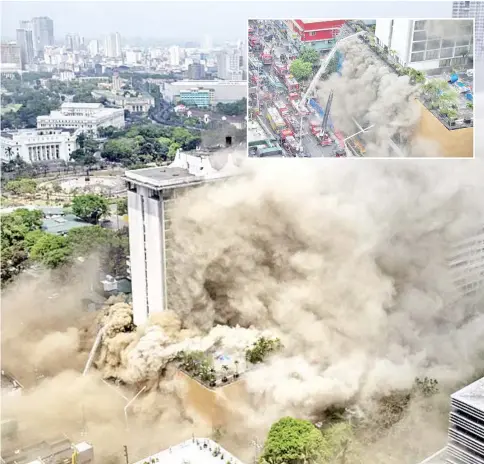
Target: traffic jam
275	96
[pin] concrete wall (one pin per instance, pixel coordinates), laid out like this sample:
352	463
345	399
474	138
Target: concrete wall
383	31
453	143
402	38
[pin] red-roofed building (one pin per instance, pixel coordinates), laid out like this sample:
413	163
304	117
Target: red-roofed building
315	33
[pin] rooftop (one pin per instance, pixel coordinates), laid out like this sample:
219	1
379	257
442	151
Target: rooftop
207	83
61	225
193	451
255	132
471	395
101	112
34	132
82	105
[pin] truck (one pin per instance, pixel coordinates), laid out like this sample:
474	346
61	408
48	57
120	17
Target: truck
266	57
292	123
291	83
288	141
281	107
315	127
280	69
275	119
254	43
254	79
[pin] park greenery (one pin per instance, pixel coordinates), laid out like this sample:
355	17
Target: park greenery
309	55
440	96
147	143
262	348
23	242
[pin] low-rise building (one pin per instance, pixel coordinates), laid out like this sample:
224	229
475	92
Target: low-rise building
34	145
200	450
319	34
45	453
87	117
204	93
134	104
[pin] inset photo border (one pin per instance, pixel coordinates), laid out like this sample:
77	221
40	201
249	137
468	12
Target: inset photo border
361	88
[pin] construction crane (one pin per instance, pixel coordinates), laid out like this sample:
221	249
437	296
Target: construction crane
326	113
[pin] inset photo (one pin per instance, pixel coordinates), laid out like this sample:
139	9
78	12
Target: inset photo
382	88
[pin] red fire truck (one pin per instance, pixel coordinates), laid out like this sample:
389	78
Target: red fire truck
254	43
281	107
266	57
288	140
280	69
291	83
293	123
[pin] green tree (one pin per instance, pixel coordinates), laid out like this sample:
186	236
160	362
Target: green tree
51	250
90	207
301	70
174	147
21	186
32	238
122	206
15	226
292	441
309	55
262	348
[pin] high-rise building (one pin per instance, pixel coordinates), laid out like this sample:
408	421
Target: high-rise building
472	10
229	65
11	55
112	46
42	33
222	65
73	42
465	440
175	55
196	71
152	194
25	42
93	47
427	45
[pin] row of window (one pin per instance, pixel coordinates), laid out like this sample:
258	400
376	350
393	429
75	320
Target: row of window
457	58
465	27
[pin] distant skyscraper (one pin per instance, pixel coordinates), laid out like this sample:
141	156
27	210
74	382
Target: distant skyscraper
25	42
112	46
472	10
73	42
42	33
222	68
229	65
175	55
93	47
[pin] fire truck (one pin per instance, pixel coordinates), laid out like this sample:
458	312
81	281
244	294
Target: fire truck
291	83
315	126
266	57
288	141
281	107
280	69
293	123
275	119
254	79
254	43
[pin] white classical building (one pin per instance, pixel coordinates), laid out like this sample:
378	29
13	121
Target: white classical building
87	117
151	196
34	145
195	450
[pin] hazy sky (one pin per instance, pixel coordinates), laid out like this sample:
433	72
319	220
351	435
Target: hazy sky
189	20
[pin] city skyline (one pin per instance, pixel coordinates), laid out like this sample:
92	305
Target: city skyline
135	21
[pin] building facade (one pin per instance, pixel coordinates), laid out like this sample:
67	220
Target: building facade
196	71
427	45
26	44
112	45
472	10
35	145
315	33
200	98
223	91
87	117
152	193
42	34
11	55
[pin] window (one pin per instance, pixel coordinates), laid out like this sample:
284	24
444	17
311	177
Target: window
417	57
418	46
448	43
458	61
432	55
446	52
420	35
461	51
312	34
462	42
433	44
420	25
